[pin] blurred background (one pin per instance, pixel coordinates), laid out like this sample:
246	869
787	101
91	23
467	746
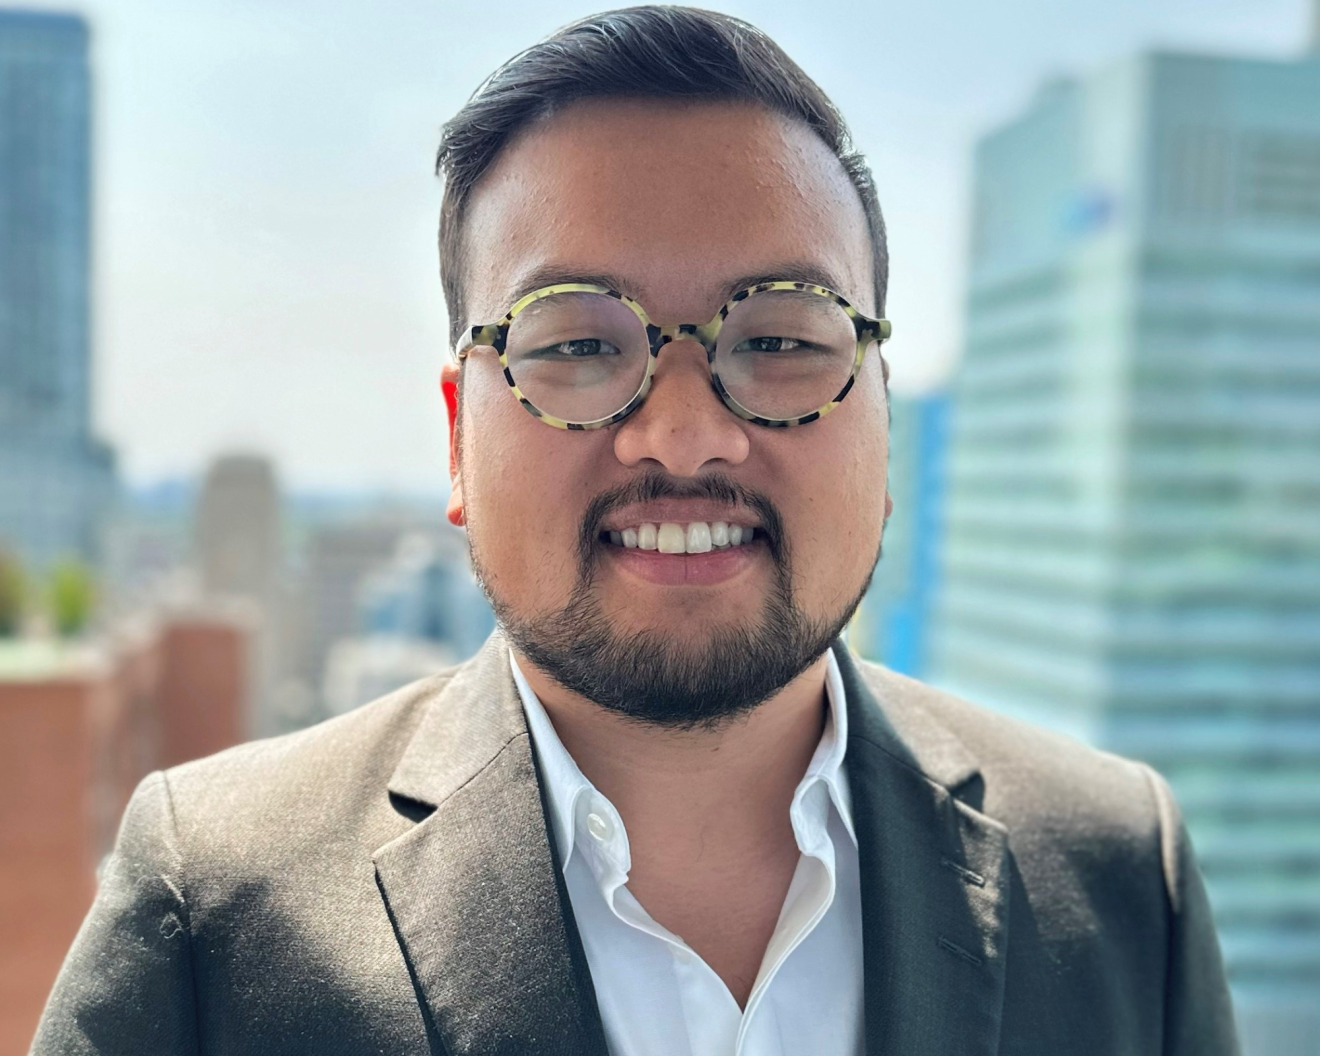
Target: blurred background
223	460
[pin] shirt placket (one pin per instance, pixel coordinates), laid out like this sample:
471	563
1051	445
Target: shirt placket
810	895
712	1017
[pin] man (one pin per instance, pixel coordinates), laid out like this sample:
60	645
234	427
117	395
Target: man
663	811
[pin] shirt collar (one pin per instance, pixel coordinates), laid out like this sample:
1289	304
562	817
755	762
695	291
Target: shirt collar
827	762
565	784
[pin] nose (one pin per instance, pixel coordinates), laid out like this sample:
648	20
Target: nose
682	426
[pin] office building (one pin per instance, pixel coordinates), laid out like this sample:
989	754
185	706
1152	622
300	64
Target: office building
338	558
417	612
239	554
426	592
891	626
1133	499
56	478
237	528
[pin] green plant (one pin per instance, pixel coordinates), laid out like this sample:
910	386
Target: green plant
12	595
72	596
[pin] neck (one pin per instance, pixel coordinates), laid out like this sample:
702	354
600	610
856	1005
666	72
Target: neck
707	812
670	784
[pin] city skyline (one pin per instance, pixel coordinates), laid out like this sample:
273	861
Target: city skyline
1105	489
266	265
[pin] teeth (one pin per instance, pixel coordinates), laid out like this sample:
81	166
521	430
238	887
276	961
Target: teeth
698	537
671	539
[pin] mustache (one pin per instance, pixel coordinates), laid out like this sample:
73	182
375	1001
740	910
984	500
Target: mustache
655	484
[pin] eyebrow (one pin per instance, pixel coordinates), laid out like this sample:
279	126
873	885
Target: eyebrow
557	274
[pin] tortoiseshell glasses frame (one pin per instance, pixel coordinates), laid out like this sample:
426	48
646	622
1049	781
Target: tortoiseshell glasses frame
495	336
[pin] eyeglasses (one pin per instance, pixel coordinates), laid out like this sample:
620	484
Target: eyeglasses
580	356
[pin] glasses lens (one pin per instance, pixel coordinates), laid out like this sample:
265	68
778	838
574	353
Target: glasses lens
785	353
577	356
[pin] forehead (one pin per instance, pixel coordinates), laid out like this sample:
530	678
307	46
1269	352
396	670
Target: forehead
674	201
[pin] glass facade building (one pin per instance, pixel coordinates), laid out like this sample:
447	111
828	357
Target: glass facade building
1133	507
891	624
55	477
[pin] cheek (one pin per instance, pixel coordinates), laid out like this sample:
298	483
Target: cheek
517	475
490	436
841	501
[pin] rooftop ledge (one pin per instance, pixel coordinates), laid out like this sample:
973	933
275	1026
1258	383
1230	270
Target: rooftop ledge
44	659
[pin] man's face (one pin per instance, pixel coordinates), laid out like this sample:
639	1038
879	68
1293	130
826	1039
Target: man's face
677	204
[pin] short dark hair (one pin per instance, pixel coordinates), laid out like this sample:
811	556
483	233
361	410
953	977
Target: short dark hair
639	52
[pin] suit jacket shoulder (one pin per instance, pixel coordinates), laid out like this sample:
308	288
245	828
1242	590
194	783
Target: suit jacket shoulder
239	910
303	792
1030	778
1110	944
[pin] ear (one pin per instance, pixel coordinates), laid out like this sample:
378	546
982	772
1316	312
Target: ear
449	375
889	504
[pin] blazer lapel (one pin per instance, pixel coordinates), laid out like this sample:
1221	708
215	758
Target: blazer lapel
474	890
934	876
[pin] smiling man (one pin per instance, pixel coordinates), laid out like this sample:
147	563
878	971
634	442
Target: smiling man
663	811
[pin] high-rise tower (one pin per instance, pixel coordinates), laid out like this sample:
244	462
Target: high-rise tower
55	478
1133	505
239	551
892	623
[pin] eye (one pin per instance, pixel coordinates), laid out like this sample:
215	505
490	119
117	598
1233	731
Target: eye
578	348
768	344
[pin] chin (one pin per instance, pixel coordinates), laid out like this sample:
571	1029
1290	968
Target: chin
694	625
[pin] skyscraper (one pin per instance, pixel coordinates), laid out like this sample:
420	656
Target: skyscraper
892	624
239	551
238	528
55	477
1133	509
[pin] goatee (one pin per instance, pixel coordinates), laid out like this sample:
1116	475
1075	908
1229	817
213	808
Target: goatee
648	676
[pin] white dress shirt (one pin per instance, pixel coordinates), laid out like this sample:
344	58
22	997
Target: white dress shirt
656	996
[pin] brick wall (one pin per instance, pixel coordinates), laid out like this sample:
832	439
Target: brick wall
73	745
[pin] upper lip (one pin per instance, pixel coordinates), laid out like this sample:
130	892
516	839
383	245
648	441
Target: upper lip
678	511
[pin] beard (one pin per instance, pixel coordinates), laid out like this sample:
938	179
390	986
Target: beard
649	676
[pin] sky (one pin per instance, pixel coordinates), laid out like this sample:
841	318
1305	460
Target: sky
266	275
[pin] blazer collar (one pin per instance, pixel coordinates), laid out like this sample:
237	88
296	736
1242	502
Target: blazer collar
935	874
473	890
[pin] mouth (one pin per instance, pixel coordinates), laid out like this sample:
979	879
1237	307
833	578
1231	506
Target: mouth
710	533
672	537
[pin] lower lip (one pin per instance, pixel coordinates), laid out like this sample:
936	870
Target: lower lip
714	566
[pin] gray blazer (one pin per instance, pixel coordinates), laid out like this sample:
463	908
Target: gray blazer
384	883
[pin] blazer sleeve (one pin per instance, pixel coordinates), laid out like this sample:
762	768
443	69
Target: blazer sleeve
126	986
1198	1011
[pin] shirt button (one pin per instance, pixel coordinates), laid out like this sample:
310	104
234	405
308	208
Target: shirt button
599	827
